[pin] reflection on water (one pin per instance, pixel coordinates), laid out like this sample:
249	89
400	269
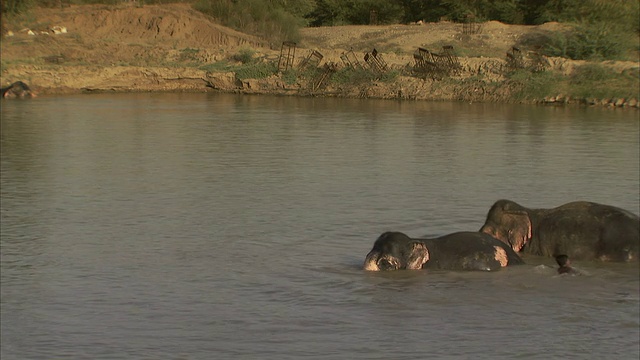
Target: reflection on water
186	225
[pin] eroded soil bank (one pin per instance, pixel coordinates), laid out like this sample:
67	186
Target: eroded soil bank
175	48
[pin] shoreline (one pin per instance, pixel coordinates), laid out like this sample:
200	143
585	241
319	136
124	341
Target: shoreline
64	80
174	48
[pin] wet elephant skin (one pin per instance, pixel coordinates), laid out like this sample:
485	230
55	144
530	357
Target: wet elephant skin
17	89
582	230
456	251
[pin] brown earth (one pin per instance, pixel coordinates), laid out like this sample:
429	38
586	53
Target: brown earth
163	47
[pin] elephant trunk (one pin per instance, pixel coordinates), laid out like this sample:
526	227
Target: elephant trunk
371	261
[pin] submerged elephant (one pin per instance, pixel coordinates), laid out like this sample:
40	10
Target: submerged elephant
582	230
565	265
457	251
17	90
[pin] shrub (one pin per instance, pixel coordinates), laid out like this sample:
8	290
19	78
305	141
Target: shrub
531	86
590	73
353	76
14	7
268	20
582	42
219	66
256	70
244	56
597	81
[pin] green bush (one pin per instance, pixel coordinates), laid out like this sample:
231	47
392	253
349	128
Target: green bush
188	55
597	81
589	73
530	86
353	76
586	82
386	12
595	41
267	19
244	56
582	42
290	76
619	14
256	70
14	7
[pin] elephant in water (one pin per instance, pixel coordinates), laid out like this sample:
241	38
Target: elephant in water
457	251
582	230
17	90
565	265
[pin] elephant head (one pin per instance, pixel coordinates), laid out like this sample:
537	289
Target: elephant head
18	90
509	223
395	251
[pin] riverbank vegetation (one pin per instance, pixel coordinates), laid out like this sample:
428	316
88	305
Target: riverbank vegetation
588	35
589	83
599	29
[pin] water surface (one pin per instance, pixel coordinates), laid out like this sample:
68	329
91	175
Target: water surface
200	226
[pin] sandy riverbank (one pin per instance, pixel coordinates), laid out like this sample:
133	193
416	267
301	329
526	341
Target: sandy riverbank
162	48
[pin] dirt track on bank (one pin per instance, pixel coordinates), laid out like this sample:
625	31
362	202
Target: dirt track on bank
160	48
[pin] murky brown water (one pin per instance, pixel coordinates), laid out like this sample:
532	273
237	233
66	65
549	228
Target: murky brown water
194	226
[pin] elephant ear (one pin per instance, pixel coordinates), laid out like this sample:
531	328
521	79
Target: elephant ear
519	230
418	256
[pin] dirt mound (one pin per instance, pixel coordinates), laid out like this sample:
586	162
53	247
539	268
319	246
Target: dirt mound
102	34
157	35
399	42
399	38
176	25
168	47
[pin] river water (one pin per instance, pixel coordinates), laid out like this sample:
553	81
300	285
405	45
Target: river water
208	226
